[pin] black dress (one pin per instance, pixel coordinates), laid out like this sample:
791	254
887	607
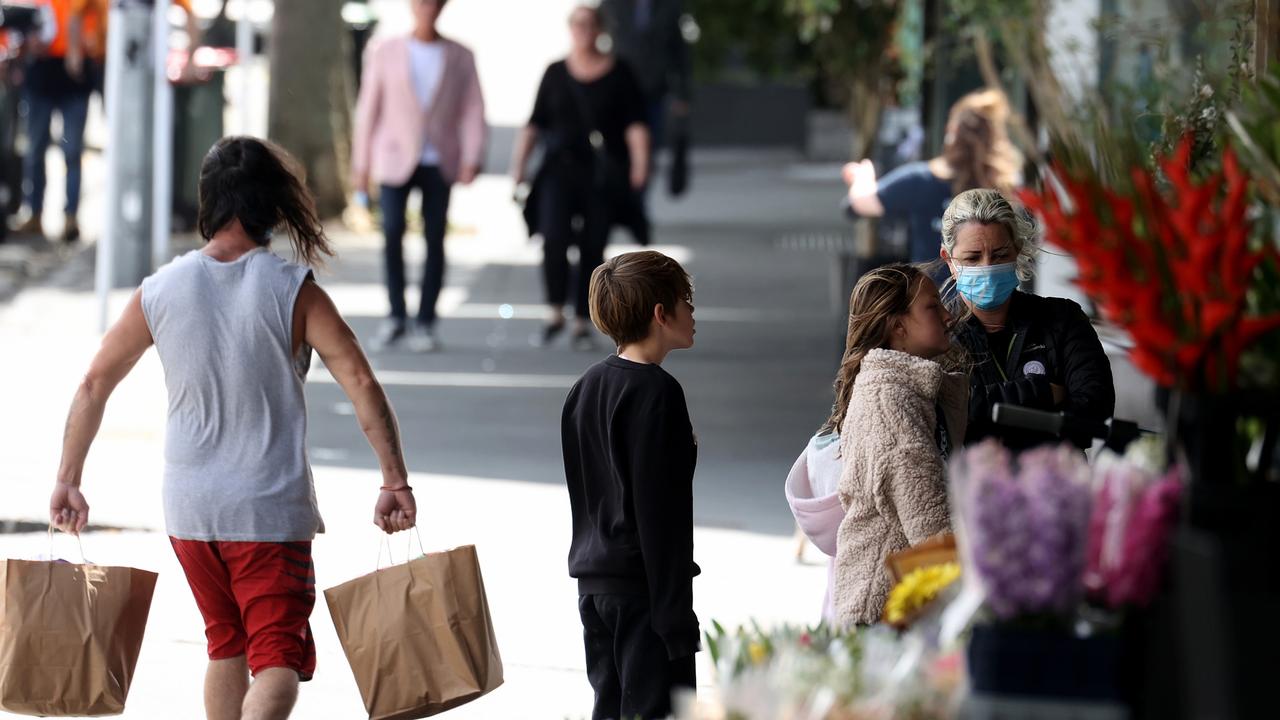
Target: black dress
613	101
583	188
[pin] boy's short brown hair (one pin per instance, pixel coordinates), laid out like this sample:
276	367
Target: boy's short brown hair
625	289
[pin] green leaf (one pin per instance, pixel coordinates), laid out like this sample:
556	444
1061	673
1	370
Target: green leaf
713	647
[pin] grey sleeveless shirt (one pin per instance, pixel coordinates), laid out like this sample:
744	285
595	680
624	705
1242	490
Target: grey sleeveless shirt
235	446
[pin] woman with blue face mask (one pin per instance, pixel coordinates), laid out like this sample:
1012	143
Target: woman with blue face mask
1027	350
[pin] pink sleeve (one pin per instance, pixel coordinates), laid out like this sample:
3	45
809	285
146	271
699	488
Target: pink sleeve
472	129
368	106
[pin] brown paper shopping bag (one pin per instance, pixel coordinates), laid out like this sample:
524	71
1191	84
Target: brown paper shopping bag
418	636
70	636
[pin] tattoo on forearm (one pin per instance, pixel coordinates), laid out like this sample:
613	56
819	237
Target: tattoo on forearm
393	434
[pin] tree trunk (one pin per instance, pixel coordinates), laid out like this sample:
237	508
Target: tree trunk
864	108
1266	44
309	111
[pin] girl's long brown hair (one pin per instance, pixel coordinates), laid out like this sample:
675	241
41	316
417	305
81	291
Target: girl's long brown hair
259	183
880	296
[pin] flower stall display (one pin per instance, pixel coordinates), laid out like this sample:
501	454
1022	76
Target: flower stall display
824	673
913	593
921	575
1134	513
1168	258
1022	526
1057	550
1181	250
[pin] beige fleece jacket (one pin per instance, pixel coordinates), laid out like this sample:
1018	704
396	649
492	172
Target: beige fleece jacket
893	487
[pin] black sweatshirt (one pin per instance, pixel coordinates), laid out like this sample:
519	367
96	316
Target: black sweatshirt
629	455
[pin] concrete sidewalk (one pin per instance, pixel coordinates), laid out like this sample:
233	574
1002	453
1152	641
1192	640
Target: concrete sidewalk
481	434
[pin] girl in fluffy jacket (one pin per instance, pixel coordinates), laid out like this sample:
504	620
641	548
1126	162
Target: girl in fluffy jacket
898	414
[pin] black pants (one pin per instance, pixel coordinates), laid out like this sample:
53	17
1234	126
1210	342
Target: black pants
626	660
435	210
571	212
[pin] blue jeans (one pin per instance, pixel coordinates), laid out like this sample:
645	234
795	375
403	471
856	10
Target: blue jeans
73	106
394	201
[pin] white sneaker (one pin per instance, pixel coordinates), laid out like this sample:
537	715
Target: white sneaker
390	333
422	339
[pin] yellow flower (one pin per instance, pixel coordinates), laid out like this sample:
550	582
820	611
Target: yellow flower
756	652
918	588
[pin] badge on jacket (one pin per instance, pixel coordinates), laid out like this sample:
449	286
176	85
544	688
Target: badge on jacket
1035	367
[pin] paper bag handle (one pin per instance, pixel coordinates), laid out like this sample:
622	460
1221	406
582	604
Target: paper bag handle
386	543
79	544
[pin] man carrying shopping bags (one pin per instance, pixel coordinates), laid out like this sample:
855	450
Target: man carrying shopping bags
234	326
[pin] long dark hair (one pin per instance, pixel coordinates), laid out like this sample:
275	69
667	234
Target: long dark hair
259	183
880	295
977	147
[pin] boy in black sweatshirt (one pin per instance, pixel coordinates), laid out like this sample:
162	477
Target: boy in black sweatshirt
629	455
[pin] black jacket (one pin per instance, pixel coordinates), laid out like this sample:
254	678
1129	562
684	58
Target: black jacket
629	457
1052	342
658	52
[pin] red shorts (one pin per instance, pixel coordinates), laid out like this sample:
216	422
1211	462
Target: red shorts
255	598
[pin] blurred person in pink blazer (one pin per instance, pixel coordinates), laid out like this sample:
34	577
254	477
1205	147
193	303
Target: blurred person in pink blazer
419	124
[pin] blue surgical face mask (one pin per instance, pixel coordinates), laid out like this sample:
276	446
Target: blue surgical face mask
987	286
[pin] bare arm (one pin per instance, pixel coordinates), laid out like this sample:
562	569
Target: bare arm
194	36
525	141
325	330
121	348
863	188
638	150
190	72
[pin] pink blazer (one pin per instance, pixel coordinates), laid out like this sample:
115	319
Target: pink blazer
391	128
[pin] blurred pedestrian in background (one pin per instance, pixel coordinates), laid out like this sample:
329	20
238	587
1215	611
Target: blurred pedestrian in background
87	40
590	116
64	70
647	35
56	81
19	37
419	125
976	153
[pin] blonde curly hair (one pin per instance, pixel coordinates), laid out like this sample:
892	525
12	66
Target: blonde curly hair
991	207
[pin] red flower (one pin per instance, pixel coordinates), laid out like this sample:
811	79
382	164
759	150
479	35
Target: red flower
1172	268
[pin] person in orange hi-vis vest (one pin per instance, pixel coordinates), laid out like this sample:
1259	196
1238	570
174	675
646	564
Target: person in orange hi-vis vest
61	76
87	38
